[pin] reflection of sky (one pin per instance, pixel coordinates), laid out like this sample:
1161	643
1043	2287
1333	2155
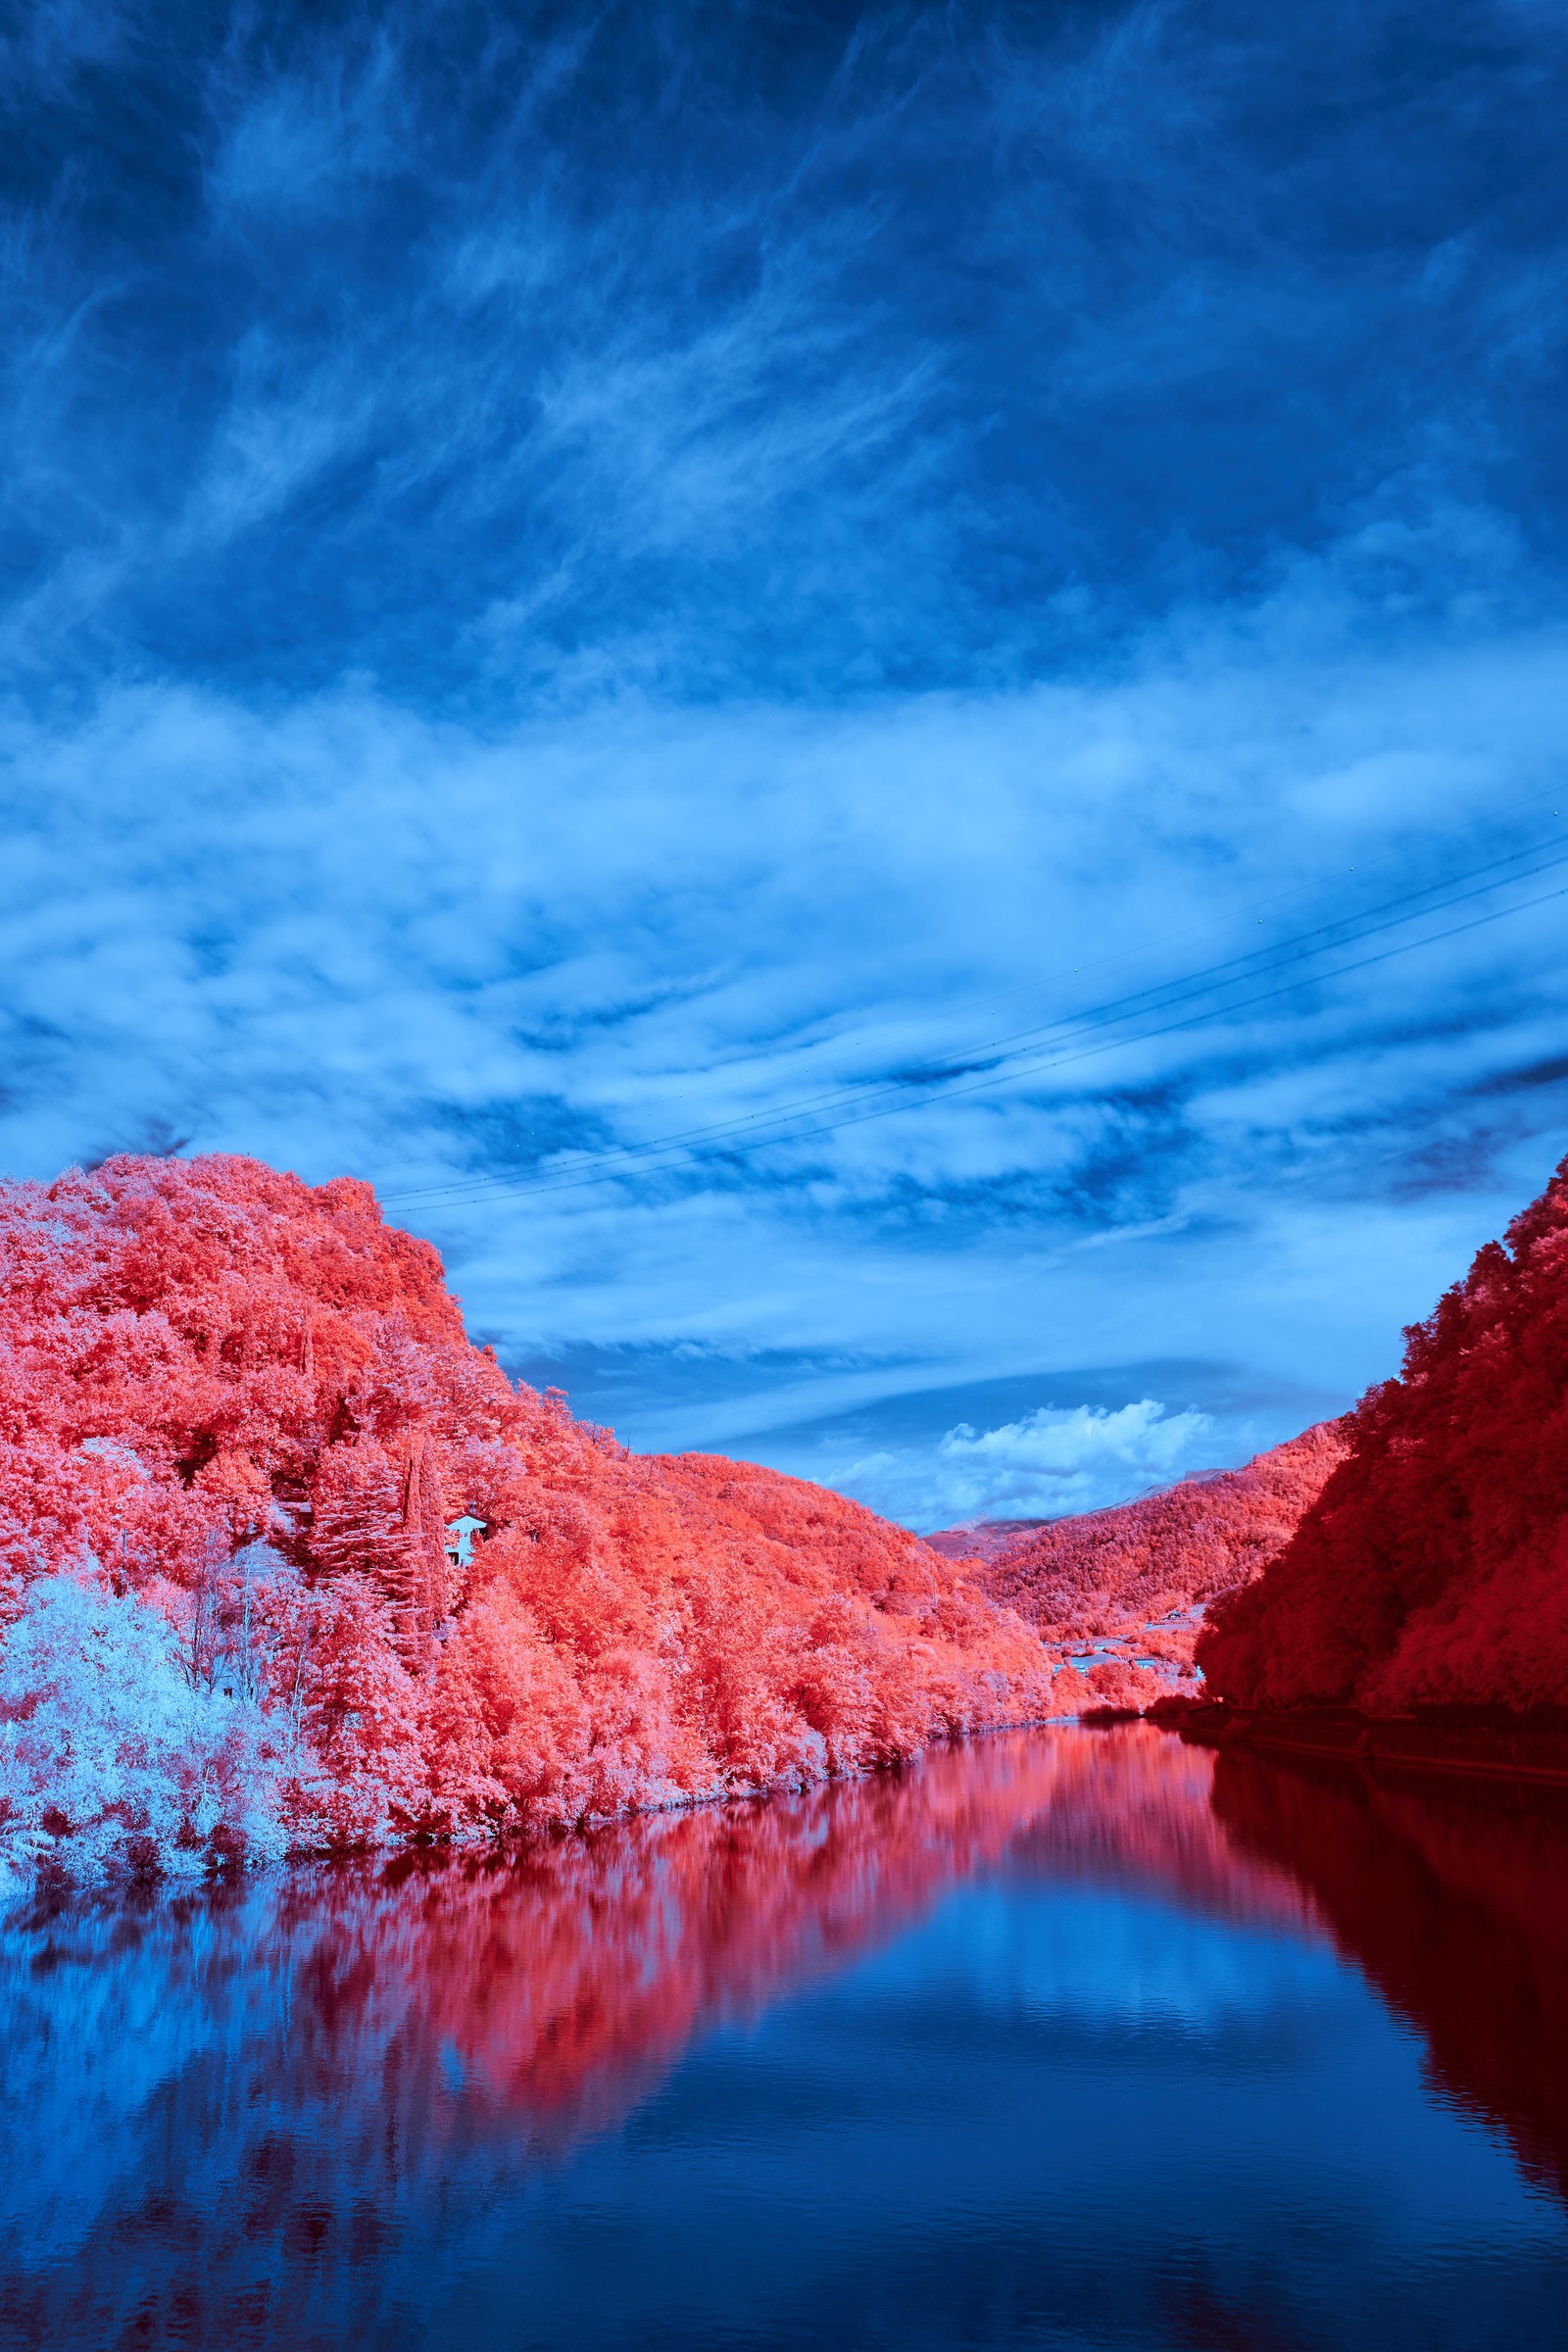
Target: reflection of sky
1057	2117
1065	2118
576	576
1050	2101
1092	1961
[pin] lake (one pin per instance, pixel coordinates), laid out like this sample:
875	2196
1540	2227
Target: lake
1067	2037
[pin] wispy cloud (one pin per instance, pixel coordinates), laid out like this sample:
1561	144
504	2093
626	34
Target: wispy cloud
577	582
494	356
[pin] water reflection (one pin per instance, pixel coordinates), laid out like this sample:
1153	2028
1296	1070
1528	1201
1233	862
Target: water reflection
1047	2041
1453	1897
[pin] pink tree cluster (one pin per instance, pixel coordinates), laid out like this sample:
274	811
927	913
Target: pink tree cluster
240	1416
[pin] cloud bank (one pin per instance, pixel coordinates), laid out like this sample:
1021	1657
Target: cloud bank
582	577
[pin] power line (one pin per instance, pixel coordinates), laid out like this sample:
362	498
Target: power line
856	1088
576	1182
1021	1052
1143	1037
1012	1055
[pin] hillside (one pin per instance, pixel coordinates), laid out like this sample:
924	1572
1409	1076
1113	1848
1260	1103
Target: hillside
286	1562
1118	1586
1432	1571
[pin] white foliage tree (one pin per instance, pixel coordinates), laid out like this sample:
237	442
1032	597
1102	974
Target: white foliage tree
111	1758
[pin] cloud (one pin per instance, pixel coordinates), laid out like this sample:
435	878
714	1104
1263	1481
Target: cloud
1052	1462
579	583
500	359
343	935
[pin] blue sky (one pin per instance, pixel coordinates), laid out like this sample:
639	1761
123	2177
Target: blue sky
970	597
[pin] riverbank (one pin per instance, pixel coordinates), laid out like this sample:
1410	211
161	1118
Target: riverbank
1484	1743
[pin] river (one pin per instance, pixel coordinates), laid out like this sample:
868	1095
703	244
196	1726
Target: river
1069	2037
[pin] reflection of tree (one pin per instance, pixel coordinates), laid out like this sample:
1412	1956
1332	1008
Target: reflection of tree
1131	1807
314	2064
1454	1902
561	1979
316	2098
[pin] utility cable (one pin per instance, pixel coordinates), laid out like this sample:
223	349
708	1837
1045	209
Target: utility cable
1022	1050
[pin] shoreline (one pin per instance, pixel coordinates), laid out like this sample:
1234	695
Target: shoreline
49	1875
1478	1743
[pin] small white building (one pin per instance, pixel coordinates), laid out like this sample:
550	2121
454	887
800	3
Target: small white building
459	1537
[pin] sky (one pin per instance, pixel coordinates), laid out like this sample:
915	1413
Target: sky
870	700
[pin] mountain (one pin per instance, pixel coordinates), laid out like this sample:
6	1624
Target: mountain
1125	1589
286	1562
1433	1570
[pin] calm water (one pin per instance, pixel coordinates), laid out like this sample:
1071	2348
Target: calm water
1069	2038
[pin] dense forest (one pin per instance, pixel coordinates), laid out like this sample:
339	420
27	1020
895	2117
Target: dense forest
1433	1570
286	1563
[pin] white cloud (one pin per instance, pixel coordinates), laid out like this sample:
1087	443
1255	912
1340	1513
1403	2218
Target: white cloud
1049	1463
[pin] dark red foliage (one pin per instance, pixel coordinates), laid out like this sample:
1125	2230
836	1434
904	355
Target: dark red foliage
198	1355
1434	1569
1136	1577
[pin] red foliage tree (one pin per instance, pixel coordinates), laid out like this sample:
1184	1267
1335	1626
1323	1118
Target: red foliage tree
1433	1570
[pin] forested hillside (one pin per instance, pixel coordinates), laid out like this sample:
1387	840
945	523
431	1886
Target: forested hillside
1133	1582
1434	1569
1169	1550
286	1562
